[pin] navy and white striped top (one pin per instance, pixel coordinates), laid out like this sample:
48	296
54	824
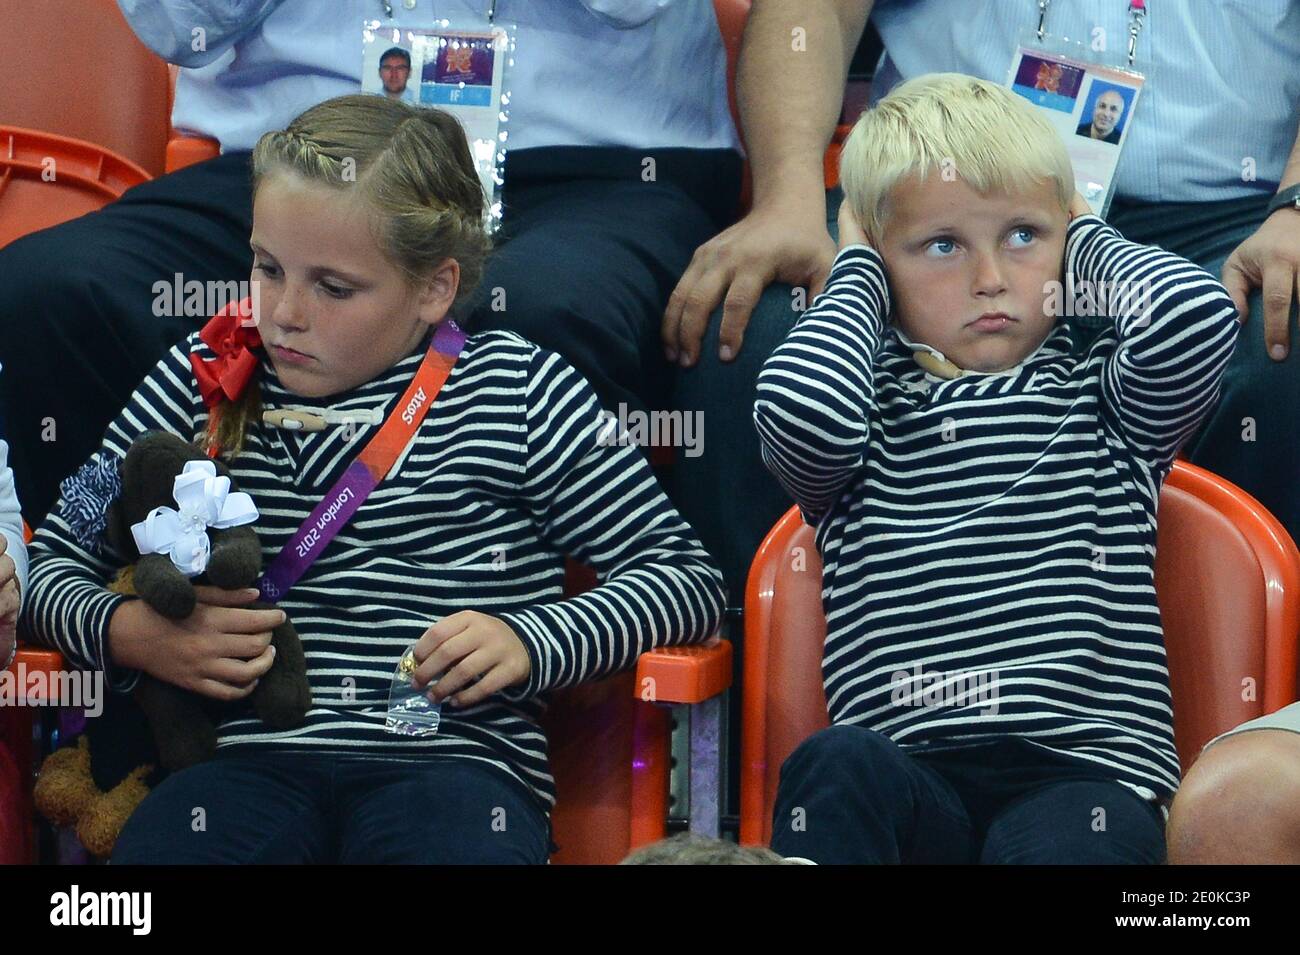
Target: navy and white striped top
507	473
998	530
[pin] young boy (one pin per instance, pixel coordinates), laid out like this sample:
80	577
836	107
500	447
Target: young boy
983	479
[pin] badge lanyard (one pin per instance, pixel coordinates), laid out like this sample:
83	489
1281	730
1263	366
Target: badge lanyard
410	5
1137	13
368	469
1087	95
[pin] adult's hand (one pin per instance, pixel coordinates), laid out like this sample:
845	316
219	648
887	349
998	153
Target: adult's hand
1269	259
784	241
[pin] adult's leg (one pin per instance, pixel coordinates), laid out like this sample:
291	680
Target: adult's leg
589	253
78	330
1240	801
1076	822
233	810
722	487
1252	437
850	795
444	812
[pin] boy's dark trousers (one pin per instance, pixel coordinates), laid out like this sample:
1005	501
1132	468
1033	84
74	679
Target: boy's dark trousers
307	808
850	795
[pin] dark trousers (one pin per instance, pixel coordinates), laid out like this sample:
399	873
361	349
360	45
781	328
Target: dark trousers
850	795
292	808
593	244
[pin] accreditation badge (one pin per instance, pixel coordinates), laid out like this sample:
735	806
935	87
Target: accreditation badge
1090	104
461	67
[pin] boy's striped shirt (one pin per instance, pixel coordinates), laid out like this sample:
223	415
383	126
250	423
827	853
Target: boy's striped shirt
988	541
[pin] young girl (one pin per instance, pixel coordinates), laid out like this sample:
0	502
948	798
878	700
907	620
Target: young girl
367	230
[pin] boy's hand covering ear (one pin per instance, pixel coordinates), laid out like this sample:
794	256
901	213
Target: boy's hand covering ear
1079	207
850	229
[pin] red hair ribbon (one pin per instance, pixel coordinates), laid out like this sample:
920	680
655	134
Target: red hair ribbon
231	333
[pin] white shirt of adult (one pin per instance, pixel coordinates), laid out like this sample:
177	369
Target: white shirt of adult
632	73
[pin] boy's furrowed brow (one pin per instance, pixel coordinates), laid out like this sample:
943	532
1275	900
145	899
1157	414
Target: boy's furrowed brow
927	232
1034	217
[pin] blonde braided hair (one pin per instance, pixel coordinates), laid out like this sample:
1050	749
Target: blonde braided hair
413	168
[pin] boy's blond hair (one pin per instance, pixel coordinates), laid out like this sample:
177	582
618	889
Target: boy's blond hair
949	124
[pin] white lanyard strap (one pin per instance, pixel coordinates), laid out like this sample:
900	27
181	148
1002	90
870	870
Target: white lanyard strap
1137	12
410	5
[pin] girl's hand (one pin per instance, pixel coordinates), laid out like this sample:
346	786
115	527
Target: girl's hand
220	650
465	647
850	229
1079	206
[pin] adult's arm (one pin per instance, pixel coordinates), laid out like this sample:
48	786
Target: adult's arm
787	124
1270	259
194	32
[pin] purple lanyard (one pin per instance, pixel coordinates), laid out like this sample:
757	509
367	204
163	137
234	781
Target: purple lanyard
364	474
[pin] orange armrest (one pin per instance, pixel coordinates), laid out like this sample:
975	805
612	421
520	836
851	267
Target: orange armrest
36	660
684	674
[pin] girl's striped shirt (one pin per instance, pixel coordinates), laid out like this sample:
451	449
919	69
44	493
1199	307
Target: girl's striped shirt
511	470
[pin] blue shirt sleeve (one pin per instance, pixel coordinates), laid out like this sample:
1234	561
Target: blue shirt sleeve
193	33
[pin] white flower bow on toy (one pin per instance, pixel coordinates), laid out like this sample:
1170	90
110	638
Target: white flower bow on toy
204	500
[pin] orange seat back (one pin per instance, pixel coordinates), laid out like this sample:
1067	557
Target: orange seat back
74	68
47	179
609	756
1228	586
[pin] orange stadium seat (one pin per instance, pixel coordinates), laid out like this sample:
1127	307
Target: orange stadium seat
47	179
1228	585
610	752
74	68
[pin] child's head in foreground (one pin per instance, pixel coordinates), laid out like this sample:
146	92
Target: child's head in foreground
964	191
687	848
